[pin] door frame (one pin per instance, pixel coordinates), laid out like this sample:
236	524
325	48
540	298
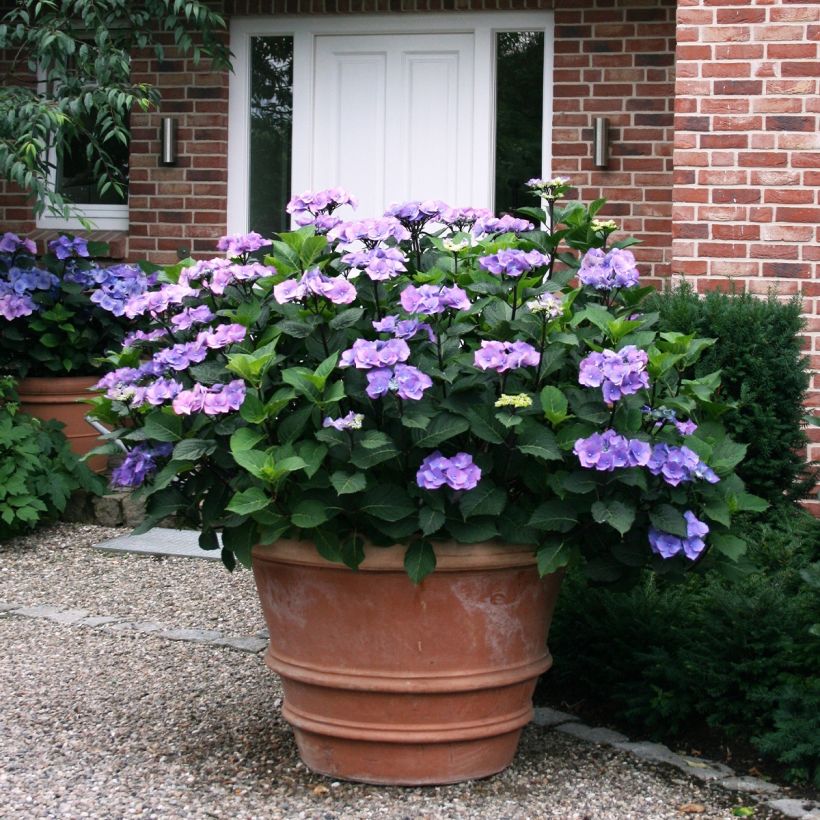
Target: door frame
305	28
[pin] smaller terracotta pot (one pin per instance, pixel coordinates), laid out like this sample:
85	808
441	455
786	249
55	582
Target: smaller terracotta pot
62	398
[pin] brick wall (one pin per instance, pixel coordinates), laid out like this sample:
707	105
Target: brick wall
613	58
747	154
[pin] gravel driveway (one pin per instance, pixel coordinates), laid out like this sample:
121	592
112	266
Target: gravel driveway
99	723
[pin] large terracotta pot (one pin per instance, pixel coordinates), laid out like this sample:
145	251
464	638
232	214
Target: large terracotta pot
61	398
387	682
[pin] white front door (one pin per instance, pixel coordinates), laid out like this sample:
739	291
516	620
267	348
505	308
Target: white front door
393	118
392	107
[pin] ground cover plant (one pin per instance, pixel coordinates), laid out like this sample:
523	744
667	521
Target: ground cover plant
428	375
38	471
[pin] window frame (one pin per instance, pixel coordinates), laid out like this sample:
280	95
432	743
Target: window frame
304	29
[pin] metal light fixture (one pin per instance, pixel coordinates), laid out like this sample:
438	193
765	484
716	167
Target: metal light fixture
168	141
600	142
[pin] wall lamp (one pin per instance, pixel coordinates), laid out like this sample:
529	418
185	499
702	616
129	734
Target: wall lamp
600	142
168	141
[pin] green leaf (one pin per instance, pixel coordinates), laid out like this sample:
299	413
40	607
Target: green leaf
309	514
726	455
374	452
718	511
536	440
248	501
666	518
208	540
729	545
245	438
346	483
554	404
555	516
485	499
746	502
193	449
615	513
352	551
551	556
313	454
163	427
430	520
473	531
240	540
228	559
346	318
328	546
442	428
387	502
419	560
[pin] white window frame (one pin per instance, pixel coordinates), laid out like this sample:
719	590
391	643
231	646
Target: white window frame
303	29
102	217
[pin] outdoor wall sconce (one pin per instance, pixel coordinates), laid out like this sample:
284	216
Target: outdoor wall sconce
600	142
168	141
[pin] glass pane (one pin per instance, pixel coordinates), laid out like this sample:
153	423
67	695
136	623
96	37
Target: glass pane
271	125
519	116
76	178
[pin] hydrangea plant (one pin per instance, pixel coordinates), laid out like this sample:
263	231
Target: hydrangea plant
61	312
436	373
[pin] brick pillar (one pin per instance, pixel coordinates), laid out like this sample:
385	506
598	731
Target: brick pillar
747	154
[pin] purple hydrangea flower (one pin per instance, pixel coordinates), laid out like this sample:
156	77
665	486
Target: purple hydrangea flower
352	421
156	302
240	244
13	306
414	214
607	271
513	263
464	218
161	391
368	231
309	208
379	263
679	465
619	373
181	356
686	428
608	451
223	276
365	355
144	336
403	328
213	401
334	288
66	247
139	464
504	356
504	224
407	381
116	285
458	472
667	545
11	243
192	316
222	336
432	299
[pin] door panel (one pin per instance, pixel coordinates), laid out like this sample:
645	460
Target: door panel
392	117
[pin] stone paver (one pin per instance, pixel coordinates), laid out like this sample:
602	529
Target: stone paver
161	541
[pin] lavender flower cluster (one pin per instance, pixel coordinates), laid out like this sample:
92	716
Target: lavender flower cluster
619	373
504	356
608	271
679	465
241	245
18	283
139	464
403	328
316	209
378	263
368	231
458	472
115	286
366	355
351	421
336	289
213	401
406	381
609	451
667	545
218	274
432	299
513	263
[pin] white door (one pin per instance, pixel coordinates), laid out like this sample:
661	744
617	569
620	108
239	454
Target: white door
393	117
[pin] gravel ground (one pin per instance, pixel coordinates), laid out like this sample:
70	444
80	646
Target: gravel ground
119	725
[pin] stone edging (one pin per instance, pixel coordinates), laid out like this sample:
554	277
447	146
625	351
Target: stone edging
715	773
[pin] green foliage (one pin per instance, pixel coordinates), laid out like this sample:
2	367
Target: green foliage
763	373
82	52
739	657
38	471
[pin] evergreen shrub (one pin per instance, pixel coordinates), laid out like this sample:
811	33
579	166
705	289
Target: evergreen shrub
763	370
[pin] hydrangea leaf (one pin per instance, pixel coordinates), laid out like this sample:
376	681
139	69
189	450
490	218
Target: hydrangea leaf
430	520
551	556
248	501
615	513
486	499
729	545
345	483
554	404
555	516
419	560
667	518
387	502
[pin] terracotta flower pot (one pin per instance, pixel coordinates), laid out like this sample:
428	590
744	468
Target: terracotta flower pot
61	398
387	682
